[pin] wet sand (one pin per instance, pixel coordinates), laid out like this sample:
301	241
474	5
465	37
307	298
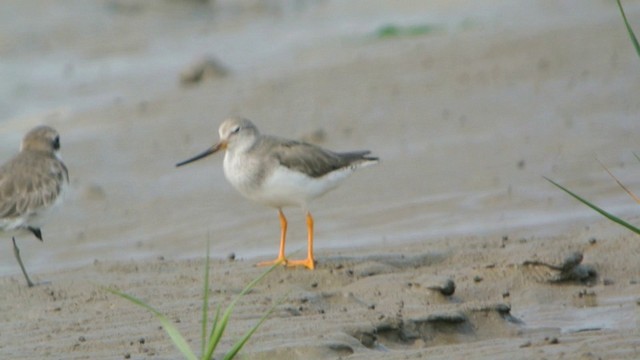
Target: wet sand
466	117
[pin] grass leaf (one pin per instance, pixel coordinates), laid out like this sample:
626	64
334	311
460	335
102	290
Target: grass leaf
217	331
205	303
626	189
219	327
392	31
632	35
171	330
596	208
240	343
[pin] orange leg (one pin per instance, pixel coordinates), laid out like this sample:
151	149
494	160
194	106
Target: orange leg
309	262
283	236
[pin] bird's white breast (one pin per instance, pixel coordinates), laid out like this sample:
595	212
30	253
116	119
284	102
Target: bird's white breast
275	185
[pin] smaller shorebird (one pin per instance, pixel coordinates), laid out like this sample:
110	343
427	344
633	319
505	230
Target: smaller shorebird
31	184
278	172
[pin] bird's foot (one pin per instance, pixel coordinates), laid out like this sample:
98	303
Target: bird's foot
279	260
309	263
39	283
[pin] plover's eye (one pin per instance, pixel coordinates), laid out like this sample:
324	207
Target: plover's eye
56	143
235	130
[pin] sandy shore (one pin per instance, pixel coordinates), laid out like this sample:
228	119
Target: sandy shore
467	117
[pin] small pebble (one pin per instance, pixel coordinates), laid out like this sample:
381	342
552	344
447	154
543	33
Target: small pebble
571	261
448	288
231	256
593	241
350	272
477	278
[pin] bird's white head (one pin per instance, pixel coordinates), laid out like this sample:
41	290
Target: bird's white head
236	134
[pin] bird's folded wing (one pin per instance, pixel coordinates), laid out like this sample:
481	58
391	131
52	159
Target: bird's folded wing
313	160
25	193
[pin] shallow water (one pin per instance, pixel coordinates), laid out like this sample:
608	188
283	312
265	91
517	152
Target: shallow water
80	55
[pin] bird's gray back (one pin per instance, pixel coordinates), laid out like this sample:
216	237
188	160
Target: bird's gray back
308	158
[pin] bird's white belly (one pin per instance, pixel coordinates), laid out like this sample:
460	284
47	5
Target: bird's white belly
278	186
13	225
285	187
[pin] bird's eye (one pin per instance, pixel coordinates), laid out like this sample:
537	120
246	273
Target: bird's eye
235	130
56	143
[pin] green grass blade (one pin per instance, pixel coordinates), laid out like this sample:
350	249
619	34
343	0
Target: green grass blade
219	328
205	303
240	343
214	325
634	40
623	186
597	209
255	281
389	31
171	330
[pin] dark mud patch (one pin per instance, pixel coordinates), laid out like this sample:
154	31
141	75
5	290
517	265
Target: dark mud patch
440	328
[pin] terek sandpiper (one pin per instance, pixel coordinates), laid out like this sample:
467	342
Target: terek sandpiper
31	184
280	172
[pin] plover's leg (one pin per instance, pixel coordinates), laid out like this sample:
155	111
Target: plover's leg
16	252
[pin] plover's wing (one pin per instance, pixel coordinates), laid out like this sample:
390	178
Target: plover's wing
30	183
314	160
